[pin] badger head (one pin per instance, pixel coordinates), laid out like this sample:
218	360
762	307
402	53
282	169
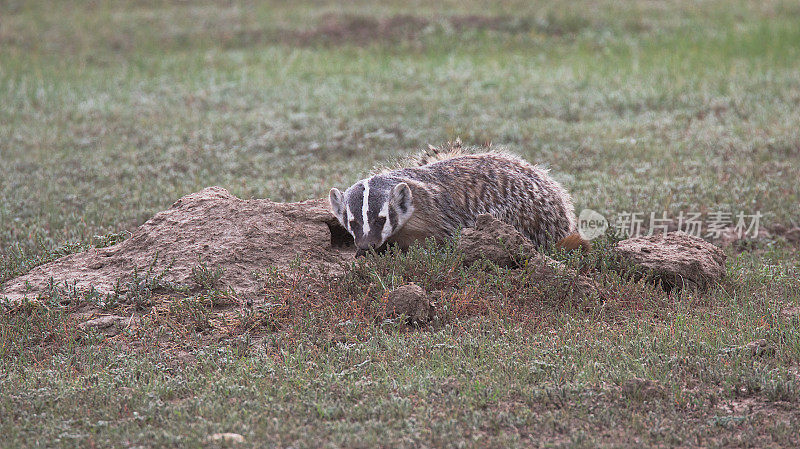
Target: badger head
372	210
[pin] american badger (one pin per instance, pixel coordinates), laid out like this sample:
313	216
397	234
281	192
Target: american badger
447	191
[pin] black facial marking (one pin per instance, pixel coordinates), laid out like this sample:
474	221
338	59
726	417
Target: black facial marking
355	228
355	198
376	229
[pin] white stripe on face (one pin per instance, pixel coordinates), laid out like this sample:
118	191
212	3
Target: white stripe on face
365	207
349	218
387	226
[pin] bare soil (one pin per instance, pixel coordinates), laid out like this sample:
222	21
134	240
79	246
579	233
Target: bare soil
353	29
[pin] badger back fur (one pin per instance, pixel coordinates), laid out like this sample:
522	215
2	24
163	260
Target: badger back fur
436	199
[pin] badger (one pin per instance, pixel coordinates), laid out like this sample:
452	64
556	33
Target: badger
446	190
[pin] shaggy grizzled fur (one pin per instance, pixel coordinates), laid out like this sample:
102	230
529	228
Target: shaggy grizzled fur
447	192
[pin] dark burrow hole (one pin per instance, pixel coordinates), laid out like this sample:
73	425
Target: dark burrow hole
340	238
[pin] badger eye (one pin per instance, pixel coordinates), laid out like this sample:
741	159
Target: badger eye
380	222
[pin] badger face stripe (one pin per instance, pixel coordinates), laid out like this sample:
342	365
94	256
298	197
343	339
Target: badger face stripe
388	226
349	215
365	208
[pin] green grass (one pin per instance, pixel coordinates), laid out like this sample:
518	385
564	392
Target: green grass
110	111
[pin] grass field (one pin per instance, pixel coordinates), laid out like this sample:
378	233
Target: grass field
111	110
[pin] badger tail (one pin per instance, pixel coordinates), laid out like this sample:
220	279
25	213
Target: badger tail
574	241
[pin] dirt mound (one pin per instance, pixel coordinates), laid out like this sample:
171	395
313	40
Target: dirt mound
501	243
677	259
495	240
212	227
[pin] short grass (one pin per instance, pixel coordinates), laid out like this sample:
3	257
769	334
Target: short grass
109	111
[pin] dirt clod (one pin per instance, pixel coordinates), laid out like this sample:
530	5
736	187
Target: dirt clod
499	242
409	300
676	259
494	240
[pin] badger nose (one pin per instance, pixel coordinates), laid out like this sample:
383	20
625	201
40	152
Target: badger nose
362	250
377	247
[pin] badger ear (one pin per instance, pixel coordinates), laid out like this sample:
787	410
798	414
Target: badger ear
402	200
337	205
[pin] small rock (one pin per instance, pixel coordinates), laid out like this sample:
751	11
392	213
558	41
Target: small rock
227	436
109	324
677	259
409	300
